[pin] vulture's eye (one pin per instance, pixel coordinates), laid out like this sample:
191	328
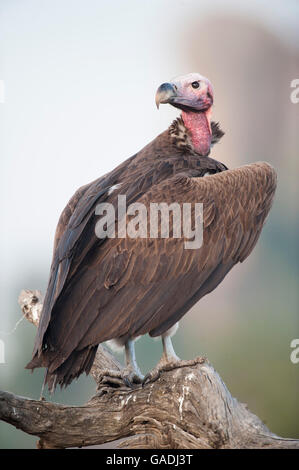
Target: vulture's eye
195	84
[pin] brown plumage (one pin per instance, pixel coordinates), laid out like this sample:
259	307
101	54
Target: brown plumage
120	288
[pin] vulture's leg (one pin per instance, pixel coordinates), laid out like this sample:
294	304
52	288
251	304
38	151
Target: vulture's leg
130	375
169	354
169	359
131	363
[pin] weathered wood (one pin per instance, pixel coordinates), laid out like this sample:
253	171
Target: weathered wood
187	407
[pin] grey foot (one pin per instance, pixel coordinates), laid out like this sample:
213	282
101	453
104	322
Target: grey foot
164	366
120	379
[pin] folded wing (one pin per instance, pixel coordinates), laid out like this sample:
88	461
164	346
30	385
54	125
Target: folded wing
121	288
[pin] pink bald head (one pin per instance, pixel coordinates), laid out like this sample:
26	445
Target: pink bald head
193	94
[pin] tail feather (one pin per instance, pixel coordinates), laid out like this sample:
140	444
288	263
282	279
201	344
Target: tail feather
79	361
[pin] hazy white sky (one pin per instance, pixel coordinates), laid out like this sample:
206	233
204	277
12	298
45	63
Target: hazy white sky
80	79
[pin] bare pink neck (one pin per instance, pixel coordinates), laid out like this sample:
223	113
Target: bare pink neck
198	125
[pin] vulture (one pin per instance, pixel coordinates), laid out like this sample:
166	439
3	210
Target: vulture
117	288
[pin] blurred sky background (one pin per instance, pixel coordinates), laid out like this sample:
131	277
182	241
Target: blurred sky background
80	79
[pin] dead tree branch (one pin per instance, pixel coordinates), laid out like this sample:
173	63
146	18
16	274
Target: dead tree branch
187	407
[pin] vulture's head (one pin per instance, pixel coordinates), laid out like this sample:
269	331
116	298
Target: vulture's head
191	92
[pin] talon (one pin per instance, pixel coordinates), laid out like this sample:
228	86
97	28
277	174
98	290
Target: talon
152	376
128	383
127	378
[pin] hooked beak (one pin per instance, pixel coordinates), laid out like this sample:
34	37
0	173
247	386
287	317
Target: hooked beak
166	93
